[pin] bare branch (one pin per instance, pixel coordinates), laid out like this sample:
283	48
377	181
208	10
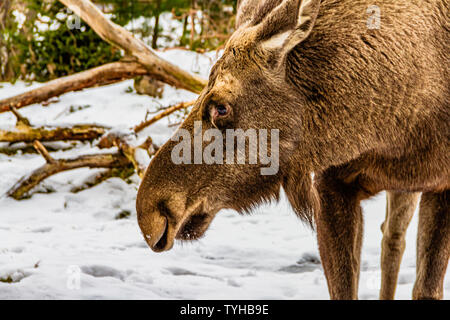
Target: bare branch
163	114
125	143
21	120
43	152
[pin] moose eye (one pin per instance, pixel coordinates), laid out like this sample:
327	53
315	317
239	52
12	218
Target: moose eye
221	115
222	110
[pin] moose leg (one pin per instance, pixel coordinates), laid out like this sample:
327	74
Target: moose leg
433	245
400	208
339	232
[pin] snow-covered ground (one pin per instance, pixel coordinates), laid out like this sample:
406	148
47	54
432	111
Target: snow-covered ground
64	245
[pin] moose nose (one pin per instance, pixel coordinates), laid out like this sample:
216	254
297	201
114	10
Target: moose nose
154	228
159	212
157	218
152	223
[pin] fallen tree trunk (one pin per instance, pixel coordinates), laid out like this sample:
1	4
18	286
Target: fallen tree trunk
53	166
103	75
116	35
30	134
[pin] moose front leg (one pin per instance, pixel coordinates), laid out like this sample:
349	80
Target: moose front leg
339	231
433	245
400	208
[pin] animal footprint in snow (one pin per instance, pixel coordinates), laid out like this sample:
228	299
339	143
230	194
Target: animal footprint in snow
100	271
180	271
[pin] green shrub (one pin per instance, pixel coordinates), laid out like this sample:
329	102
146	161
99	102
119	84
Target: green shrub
48	46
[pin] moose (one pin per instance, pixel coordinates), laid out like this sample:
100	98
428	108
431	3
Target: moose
359	110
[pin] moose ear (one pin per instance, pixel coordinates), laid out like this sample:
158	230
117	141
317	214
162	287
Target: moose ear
245	11
287	24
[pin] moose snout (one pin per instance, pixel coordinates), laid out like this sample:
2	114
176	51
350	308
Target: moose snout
154	227
159	217
157	223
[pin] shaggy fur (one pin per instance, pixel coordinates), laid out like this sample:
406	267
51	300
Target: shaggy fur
365	110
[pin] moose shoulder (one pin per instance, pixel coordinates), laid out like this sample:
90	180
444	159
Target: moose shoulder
364	108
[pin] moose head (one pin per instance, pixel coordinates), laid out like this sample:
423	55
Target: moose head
249	93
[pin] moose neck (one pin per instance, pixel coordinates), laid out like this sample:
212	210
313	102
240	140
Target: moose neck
356	94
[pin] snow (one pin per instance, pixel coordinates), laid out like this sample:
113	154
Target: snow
63	245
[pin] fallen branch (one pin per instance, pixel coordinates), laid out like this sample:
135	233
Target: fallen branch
43	152
125	142
163	114
99	177
23	148
21	120
108	160
157	67
103	75
30	134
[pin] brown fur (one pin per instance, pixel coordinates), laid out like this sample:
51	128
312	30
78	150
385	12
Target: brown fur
365	110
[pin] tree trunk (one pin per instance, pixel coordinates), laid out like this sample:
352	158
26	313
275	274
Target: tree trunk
106	74
156	26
